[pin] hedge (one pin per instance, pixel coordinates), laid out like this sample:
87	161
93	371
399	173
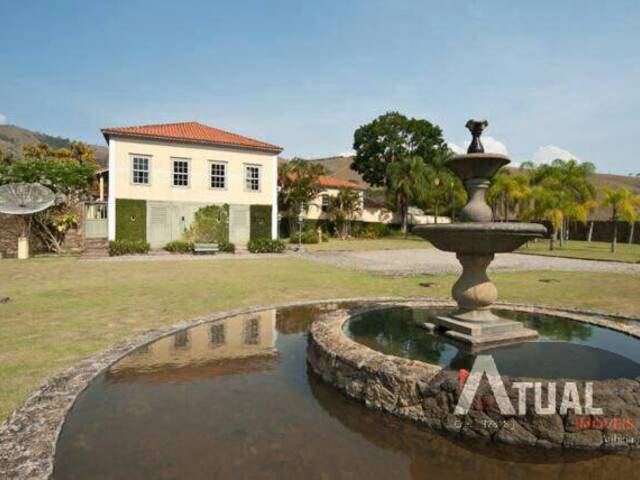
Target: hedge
260	222
131	220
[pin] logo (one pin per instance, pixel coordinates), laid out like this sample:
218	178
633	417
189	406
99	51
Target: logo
484	365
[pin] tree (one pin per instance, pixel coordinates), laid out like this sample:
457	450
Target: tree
443	187
507	190
547	204
408	185
67	174
391	138
299	185
623	205
343	208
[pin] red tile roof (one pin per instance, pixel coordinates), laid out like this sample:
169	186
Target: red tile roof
333	182
191	132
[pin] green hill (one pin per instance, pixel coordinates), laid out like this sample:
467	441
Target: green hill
13	138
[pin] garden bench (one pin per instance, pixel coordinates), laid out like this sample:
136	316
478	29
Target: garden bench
205	247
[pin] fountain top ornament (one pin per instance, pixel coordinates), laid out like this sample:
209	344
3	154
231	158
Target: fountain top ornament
475	241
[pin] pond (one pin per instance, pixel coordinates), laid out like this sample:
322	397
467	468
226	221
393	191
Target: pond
235	399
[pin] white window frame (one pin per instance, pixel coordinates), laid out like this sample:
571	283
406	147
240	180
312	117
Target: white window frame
325	208
133	156
226	174
173	172
246	178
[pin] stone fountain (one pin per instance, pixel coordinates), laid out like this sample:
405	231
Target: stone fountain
475	241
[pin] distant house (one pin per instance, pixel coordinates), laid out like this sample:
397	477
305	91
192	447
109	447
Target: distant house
160	175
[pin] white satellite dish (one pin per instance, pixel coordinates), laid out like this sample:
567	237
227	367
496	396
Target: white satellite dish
25	199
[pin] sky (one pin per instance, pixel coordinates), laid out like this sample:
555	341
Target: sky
555	79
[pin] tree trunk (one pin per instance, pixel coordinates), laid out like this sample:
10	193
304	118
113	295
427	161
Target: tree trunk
552	238
615	232
561	235
566	231
590	231
437	211
505	206
632	227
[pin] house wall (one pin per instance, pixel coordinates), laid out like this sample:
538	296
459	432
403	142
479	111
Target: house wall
160	188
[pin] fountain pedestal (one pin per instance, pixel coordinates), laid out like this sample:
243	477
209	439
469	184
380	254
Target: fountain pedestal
475	241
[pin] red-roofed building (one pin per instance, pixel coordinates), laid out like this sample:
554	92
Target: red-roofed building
160	175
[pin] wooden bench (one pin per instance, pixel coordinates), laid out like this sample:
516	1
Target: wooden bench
205	248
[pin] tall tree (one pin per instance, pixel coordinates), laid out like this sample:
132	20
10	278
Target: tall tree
507	190
343	208
299	184
623	205
391	138
408	185
444	189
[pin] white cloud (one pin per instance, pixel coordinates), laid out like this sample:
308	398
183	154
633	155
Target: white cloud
3	119
350	153
491	145
549	153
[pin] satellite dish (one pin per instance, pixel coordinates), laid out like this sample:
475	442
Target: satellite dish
25	199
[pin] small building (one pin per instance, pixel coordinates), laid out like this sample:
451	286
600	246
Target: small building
160	175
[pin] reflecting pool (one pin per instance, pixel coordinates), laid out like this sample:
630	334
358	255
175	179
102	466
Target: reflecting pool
234	399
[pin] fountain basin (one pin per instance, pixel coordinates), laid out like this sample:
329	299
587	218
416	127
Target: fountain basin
477	165
480	238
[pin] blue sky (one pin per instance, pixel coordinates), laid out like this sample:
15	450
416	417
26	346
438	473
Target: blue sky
549	76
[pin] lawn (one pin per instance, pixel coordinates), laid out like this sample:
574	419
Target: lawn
587	250
62	309
388	243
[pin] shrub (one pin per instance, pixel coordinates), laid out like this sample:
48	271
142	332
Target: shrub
371	230
227	247
178	246
131	220
266	245
127	247
210	225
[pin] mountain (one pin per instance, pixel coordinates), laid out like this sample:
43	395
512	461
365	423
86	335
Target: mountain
13	138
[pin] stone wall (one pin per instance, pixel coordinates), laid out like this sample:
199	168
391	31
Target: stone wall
428	394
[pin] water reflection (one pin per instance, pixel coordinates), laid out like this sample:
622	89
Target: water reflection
205	350
564	349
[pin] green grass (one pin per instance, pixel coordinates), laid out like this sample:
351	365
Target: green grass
388	243
587	250
63	310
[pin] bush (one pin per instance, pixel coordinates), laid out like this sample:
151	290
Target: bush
308	236
371	230
210	225
178	246
266	245
227	247
127	247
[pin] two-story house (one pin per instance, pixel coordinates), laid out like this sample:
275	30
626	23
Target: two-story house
160	175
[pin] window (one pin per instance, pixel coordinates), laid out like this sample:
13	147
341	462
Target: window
218	175
325	203
251	331
140	170
252	178
217	335
182	340
180	172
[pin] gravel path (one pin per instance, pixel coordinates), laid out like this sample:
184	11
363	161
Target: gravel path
422	261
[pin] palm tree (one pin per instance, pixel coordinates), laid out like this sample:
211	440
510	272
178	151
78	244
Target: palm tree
407	184
299	184
547	204
509	190
343	208
623	205
444	188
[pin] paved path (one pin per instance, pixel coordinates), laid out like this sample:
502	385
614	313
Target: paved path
415	262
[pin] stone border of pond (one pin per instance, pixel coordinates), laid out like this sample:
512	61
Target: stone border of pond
428	394
28	436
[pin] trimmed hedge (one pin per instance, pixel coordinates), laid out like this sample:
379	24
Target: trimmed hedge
266	245
128	247
227	247
260	222
178	246
131	220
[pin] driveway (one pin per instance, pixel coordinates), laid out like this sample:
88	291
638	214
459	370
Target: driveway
433	261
